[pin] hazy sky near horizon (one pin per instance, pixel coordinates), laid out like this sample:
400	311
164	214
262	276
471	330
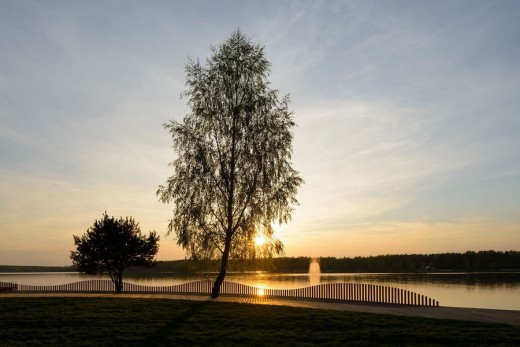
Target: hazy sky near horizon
407	112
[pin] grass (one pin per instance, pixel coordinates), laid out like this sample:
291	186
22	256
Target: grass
153	322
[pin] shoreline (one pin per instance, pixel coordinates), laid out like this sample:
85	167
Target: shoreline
511	317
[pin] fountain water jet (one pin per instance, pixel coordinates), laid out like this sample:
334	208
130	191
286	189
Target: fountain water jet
314	272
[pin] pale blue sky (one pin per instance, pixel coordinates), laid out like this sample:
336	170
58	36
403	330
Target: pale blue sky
408	118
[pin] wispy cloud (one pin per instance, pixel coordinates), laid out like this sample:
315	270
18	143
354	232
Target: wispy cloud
407	118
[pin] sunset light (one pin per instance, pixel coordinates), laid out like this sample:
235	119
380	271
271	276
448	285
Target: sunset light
260	240
260	172
394	135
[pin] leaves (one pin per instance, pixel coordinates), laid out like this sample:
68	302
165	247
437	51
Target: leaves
112	245
232	176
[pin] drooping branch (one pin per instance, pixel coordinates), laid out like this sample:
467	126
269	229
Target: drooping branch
232	175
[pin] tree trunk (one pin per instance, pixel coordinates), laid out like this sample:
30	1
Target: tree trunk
119	283
231	198
218	282
223	268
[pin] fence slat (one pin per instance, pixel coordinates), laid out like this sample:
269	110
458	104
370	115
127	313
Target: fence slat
363	292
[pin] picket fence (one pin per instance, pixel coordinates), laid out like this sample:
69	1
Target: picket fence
357	292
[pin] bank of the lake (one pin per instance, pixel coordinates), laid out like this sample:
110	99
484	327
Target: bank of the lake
500	290
122	321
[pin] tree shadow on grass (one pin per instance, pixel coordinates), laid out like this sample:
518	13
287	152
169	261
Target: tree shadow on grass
162	335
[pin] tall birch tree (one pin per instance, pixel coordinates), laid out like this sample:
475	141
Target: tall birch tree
233	177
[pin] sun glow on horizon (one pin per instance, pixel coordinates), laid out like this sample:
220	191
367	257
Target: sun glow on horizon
260	240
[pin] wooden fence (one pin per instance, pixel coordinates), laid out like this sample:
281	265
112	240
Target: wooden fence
358	292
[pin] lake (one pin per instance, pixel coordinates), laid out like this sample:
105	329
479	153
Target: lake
498	290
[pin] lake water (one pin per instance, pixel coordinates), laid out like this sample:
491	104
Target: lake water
480	290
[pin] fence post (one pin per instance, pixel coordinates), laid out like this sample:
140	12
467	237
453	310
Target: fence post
363	292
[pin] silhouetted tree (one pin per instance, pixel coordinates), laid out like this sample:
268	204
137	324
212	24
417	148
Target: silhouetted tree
112	245
233	176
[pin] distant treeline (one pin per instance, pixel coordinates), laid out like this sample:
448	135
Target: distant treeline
22	268
468	261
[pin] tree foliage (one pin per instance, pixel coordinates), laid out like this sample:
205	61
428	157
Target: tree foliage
232	176
112	245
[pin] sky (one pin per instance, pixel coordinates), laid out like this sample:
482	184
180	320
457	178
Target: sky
407	112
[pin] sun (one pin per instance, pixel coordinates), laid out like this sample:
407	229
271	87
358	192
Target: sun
260	240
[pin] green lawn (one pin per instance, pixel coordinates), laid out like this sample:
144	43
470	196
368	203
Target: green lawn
149	322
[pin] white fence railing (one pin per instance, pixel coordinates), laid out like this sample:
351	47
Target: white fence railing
358	292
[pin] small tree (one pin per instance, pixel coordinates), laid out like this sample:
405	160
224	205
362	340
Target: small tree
233	175
112	245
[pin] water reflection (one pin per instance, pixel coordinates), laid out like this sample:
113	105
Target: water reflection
485	290
483	281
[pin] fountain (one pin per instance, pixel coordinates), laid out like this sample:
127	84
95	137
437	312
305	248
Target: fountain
314	272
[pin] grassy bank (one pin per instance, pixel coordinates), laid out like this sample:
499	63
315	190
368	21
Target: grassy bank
120	321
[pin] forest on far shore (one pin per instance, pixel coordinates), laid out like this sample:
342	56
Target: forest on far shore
468	261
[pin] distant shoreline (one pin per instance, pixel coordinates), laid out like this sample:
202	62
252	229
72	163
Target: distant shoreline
34	268
470	261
